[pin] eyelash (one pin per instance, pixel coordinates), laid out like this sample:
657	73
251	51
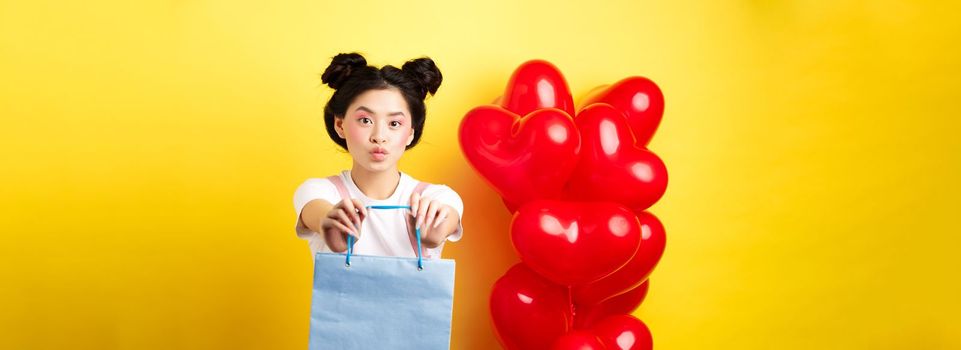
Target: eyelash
392	121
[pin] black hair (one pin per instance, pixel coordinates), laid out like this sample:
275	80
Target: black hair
349	75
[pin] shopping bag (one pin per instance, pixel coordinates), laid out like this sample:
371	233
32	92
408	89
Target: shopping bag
376	302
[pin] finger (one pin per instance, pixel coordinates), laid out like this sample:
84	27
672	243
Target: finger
352	211
360	209
414	200
343	229
431	216
342	216
422	210
332	214
441	216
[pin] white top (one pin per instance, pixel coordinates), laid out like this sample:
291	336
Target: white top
383	232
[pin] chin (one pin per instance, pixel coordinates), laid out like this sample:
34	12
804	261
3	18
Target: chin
377	166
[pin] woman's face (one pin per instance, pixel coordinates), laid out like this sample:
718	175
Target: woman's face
378	128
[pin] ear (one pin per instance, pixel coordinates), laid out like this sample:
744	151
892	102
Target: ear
339	126
411	137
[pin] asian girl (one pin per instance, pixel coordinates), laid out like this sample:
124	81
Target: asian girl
376	114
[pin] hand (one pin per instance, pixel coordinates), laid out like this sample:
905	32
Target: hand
345	218
428	213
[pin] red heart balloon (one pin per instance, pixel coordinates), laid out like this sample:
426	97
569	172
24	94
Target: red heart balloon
537	84
587	315
624	332
522	158
574	243
578	340
528	311
612	168
634	272
639	99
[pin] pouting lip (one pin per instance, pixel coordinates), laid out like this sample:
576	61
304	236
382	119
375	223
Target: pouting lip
379	150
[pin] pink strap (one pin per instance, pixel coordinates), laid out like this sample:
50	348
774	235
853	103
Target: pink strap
420	187
339	183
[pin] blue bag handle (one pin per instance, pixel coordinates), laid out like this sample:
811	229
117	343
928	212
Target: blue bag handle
350	238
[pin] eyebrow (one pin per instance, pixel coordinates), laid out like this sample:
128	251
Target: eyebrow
365	109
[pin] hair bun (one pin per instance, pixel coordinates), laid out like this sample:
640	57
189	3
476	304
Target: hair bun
341	66
426	72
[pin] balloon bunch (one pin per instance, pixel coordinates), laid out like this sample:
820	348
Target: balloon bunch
578	185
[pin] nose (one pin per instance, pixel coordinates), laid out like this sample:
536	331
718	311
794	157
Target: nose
378	135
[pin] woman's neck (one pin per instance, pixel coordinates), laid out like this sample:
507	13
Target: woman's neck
375	185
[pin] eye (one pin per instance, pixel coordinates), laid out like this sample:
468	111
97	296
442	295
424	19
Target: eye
395	123
364	120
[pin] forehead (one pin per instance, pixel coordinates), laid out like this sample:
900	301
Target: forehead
380	101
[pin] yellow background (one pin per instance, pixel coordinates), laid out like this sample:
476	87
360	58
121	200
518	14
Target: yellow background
150	151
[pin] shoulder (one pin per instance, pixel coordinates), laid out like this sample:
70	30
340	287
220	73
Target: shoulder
324	181
314	183
439	189
431	189
315	188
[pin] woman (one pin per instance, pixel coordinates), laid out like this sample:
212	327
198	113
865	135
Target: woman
376	114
